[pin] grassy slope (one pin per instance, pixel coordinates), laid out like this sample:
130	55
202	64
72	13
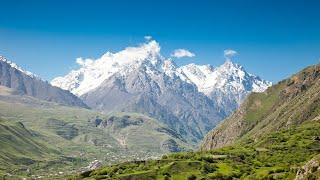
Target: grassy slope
19	147
71	133
288	103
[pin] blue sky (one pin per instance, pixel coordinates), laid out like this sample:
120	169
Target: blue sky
274	38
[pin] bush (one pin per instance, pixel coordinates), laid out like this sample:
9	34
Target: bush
166	174
85	174
165	177
192	177
312	177
208	159
208	168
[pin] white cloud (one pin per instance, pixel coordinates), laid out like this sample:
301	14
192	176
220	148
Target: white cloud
148	38
83	62
229	53
179	53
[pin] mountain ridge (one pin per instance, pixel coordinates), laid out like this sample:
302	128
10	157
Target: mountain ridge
24	82
140	79
146	53
227	84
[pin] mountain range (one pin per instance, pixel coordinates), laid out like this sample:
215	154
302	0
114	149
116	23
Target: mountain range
191	99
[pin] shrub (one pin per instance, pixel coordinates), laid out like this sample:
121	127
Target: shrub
311	177
165	177
166	174
192	177
208	159
208	168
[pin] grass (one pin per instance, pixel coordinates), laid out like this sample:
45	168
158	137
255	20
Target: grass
21	149
260	105
277	155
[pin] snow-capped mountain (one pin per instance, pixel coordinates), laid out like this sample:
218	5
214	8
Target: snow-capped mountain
15	66
26	83
93	72
192	99
227	84
229	76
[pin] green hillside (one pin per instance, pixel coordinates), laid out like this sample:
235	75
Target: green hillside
21	148
286	104
55	140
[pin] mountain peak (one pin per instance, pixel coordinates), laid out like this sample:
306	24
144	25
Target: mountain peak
15	66
95	71
229	64
147	51
225	78
169	67
152	47
228	84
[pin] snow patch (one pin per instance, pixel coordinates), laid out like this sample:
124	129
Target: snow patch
14	65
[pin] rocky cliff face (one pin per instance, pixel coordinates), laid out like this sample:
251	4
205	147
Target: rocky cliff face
27	83
311	170
288	103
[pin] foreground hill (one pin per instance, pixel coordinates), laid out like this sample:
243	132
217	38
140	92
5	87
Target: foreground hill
40	138
274	135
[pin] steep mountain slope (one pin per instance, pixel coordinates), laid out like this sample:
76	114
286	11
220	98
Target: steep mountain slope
288	103
24	82
54	138
227	84
140	79
274	135
172	102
